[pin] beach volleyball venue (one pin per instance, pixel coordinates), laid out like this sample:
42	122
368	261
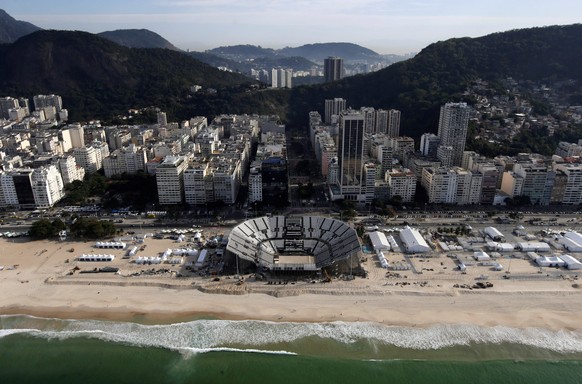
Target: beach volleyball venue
296	245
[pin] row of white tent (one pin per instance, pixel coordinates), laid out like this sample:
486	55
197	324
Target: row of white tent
110	244
559	261
382	259
92	257
180	252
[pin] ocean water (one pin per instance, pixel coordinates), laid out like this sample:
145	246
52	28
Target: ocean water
34	350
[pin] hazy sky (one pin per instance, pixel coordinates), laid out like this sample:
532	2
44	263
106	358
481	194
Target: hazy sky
386	26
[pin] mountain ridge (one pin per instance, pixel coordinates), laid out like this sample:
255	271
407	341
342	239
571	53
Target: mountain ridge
12	29
105	78
138	38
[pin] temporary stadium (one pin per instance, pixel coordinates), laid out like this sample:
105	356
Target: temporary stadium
296	244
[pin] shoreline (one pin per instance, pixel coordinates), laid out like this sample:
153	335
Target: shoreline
40	284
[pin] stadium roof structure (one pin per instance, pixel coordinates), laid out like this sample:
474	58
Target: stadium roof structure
316	242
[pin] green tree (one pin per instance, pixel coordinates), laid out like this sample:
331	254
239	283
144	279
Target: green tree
42	229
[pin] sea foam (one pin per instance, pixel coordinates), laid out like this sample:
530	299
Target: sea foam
256	336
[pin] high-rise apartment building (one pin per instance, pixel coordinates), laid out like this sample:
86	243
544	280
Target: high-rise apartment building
196	185
333	107
170	179
43	101
47	186
382	117
333	69
402	183
453	125
393	129
281	78
69	170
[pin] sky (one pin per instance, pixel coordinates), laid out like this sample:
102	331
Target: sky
385	26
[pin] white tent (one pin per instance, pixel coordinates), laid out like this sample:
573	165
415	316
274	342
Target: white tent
571	241
379	241
534	246
382	259
413	241
201	259
493	233
571	262
500	247
550	261
92	257
481	256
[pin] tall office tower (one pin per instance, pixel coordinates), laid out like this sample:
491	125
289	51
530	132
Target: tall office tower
453	125
333	69
393	123
334	107
351	176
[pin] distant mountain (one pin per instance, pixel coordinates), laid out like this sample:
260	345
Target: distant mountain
312	52
138	38
243	52
103	78
295	62
245	66
12	29
220	61
318	52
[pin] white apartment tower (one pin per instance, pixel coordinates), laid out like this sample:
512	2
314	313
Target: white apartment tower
281	78
69	170
255	183
8	195
86	158
170	180
402	183
572	191
73	137
47	186
195	188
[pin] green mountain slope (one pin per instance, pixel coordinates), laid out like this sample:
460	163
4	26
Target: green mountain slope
97	77
442	71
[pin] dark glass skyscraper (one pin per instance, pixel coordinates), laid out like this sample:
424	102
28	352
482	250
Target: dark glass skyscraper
333	69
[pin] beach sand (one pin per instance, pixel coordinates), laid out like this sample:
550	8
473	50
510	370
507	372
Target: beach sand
36	281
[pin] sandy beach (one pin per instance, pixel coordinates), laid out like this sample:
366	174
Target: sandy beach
36	280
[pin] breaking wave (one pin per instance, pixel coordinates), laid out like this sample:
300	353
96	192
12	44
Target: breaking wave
201	336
